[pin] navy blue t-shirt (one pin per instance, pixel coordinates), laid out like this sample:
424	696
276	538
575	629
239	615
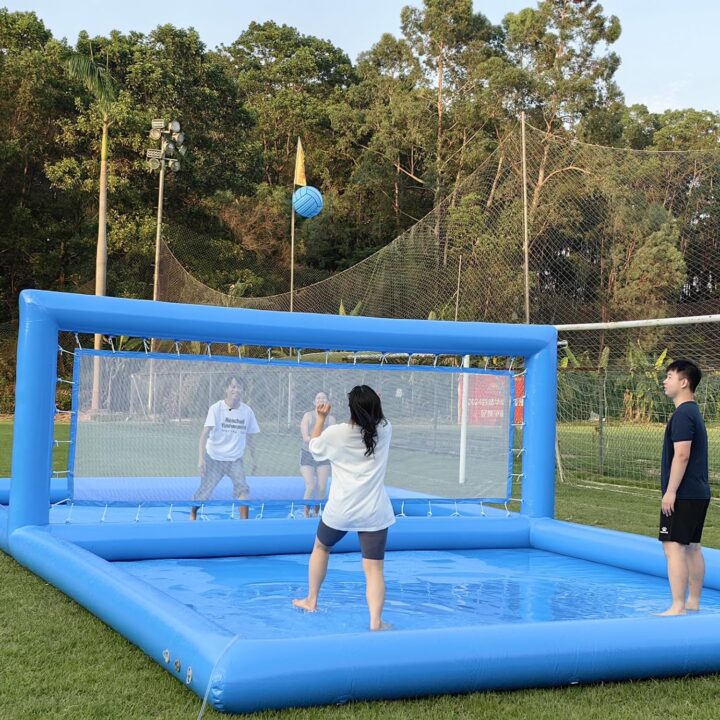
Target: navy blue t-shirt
685	424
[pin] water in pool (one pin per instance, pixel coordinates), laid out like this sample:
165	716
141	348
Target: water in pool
251	596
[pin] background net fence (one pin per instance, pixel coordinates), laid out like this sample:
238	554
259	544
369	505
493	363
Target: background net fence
612	408
613	234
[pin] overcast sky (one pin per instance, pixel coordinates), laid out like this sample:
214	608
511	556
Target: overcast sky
666	45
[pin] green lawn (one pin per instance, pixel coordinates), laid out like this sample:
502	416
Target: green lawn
630	453
58	661
60	451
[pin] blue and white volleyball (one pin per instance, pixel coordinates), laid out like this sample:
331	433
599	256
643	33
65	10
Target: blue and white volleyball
307	201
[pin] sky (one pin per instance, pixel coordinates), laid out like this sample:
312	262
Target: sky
666	47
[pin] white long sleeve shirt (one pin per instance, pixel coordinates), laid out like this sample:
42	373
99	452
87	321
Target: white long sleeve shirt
358	500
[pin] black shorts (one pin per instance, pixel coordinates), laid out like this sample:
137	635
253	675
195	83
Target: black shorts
372	543
306	458
685	525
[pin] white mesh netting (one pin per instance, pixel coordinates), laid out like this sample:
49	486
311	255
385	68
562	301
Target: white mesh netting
141	440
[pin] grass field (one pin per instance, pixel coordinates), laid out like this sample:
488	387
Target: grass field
58	661
630	453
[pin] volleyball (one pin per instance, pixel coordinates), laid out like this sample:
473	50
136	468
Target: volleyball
307	201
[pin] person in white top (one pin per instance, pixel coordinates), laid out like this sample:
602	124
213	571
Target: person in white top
358	453
315	472
230	426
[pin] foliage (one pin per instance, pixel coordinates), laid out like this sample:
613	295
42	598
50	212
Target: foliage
387	139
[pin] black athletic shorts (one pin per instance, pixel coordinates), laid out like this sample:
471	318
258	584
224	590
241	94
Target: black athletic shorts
685	525
306	458
372	543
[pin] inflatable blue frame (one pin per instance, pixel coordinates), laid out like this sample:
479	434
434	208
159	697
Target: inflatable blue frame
245	675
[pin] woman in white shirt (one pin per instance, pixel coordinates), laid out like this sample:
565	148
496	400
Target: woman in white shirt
358	452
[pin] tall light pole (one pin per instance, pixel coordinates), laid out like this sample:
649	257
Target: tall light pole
172	141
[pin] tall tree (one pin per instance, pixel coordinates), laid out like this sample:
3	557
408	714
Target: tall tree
288	81
32	216
96	80
453	43
383	128
168	74
563	48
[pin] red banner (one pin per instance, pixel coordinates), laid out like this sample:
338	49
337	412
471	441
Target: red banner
487	401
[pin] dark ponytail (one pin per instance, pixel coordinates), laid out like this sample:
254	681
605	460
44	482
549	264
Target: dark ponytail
366	412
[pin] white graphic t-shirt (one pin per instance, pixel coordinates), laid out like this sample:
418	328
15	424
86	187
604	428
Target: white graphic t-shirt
358	499
229	430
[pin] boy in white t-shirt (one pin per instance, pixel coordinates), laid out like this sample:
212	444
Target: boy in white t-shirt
230	426
358	452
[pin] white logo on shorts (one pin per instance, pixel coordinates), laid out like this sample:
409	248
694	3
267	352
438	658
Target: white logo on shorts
663	531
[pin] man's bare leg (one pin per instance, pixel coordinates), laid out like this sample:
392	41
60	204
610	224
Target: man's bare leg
696	575
317	569
678	575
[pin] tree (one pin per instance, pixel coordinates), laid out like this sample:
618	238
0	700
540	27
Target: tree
559	45
169	74
455	45
98	83
288	81
381	128
647	267
35	246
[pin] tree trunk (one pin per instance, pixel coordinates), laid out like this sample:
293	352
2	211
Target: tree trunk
396	198
458	175
496	180
440	243
101	256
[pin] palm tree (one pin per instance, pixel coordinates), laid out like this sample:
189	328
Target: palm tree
98	82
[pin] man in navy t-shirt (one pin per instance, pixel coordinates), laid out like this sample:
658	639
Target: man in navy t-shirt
685	488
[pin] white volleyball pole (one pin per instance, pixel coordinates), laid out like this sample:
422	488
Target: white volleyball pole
464	420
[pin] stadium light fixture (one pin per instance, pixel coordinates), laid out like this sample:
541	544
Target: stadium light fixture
172	142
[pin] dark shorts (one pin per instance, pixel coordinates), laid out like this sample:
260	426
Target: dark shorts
306	458
372	544
215	471
685	525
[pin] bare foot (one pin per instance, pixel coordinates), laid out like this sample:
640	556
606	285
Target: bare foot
671	612
692	607
382	626
305	604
